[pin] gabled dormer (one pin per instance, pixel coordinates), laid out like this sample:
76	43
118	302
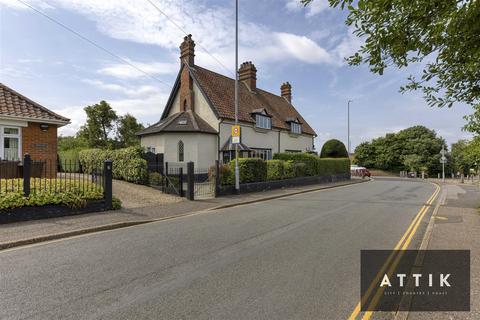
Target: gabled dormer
295	125
263	120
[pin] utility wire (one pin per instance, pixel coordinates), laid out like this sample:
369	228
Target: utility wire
93	43
185	32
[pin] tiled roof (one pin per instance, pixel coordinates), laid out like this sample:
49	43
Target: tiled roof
187	121
15	105
220	90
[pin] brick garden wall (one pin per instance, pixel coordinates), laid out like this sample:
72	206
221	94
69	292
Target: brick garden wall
41	145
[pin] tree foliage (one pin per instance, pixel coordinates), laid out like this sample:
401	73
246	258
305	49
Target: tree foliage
104	129
127	128
100	122
442	34
413	148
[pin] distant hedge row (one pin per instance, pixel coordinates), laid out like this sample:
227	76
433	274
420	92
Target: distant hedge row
283	166
128	163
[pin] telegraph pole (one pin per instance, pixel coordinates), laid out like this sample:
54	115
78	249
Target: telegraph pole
237	176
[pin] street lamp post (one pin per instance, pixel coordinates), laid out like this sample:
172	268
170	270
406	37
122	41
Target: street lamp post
348	125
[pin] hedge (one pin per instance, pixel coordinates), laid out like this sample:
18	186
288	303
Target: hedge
275	169
75	193
310	160
128	163
251	169
334	149
255	170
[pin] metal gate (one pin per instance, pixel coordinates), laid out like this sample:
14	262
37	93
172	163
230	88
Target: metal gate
204	183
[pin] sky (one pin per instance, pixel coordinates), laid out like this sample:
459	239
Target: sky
285	41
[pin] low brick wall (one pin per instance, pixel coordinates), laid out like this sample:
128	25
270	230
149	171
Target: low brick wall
278	184
48	211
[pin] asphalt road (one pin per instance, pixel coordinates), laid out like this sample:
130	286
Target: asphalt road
290	258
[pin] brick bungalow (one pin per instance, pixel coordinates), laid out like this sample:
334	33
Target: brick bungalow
27	127
197	120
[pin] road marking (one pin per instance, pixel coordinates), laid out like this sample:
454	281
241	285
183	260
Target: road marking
407	236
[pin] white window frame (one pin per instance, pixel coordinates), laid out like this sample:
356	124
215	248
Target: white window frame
296	127
262	153
263	122
3	136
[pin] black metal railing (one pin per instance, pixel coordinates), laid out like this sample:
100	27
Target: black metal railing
32	176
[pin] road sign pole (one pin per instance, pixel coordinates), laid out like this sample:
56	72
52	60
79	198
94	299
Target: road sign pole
237	176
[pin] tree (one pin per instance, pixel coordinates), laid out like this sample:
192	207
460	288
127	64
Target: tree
100	122
333	148
127	128
473	121
70	142
412	162
445	34
415	147
459	157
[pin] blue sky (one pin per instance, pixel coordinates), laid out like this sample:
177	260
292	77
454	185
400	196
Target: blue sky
285	41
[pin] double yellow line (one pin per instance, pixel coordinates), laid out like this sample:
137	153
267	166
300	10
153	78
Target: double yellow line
392	260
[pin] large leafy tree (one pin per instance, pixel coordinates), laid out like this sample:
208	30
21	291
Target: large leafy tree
127	128
443	34
415	147
101	120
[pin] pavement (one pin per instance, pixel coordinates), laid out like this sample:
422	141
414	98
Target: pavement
137	211
294	257
457	226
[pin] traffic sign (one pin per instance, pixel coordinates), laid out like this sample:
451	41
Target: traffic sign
235	134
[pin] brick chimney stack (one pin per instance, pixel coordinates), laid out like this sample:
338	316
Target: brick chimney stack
187	50
248	75
286	91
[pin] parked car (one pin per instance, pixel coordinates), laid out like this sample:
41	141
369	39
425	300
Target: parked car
359	171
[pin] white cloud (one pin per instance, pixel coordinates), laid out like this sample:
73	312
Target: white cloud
130	91
147	108
311	10
125	71
211	26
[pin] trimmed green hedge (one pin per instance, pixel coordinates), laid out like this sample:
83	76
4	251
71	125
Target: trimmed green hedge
275	169
251	169
49	191
284	166
310	160
128	163
334	149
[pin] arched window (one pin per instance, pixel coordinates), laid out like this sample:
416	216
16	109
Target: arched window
185	105
180	151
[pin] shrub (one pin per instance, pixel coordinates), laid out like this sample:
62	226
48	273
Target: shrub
288	169
128	163
333	149
75	193
299	169
310	161
331	166
251	169
275	169
155	179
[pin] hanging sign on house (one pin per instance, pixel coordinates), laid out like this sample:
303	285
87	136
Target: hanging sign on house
235	134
